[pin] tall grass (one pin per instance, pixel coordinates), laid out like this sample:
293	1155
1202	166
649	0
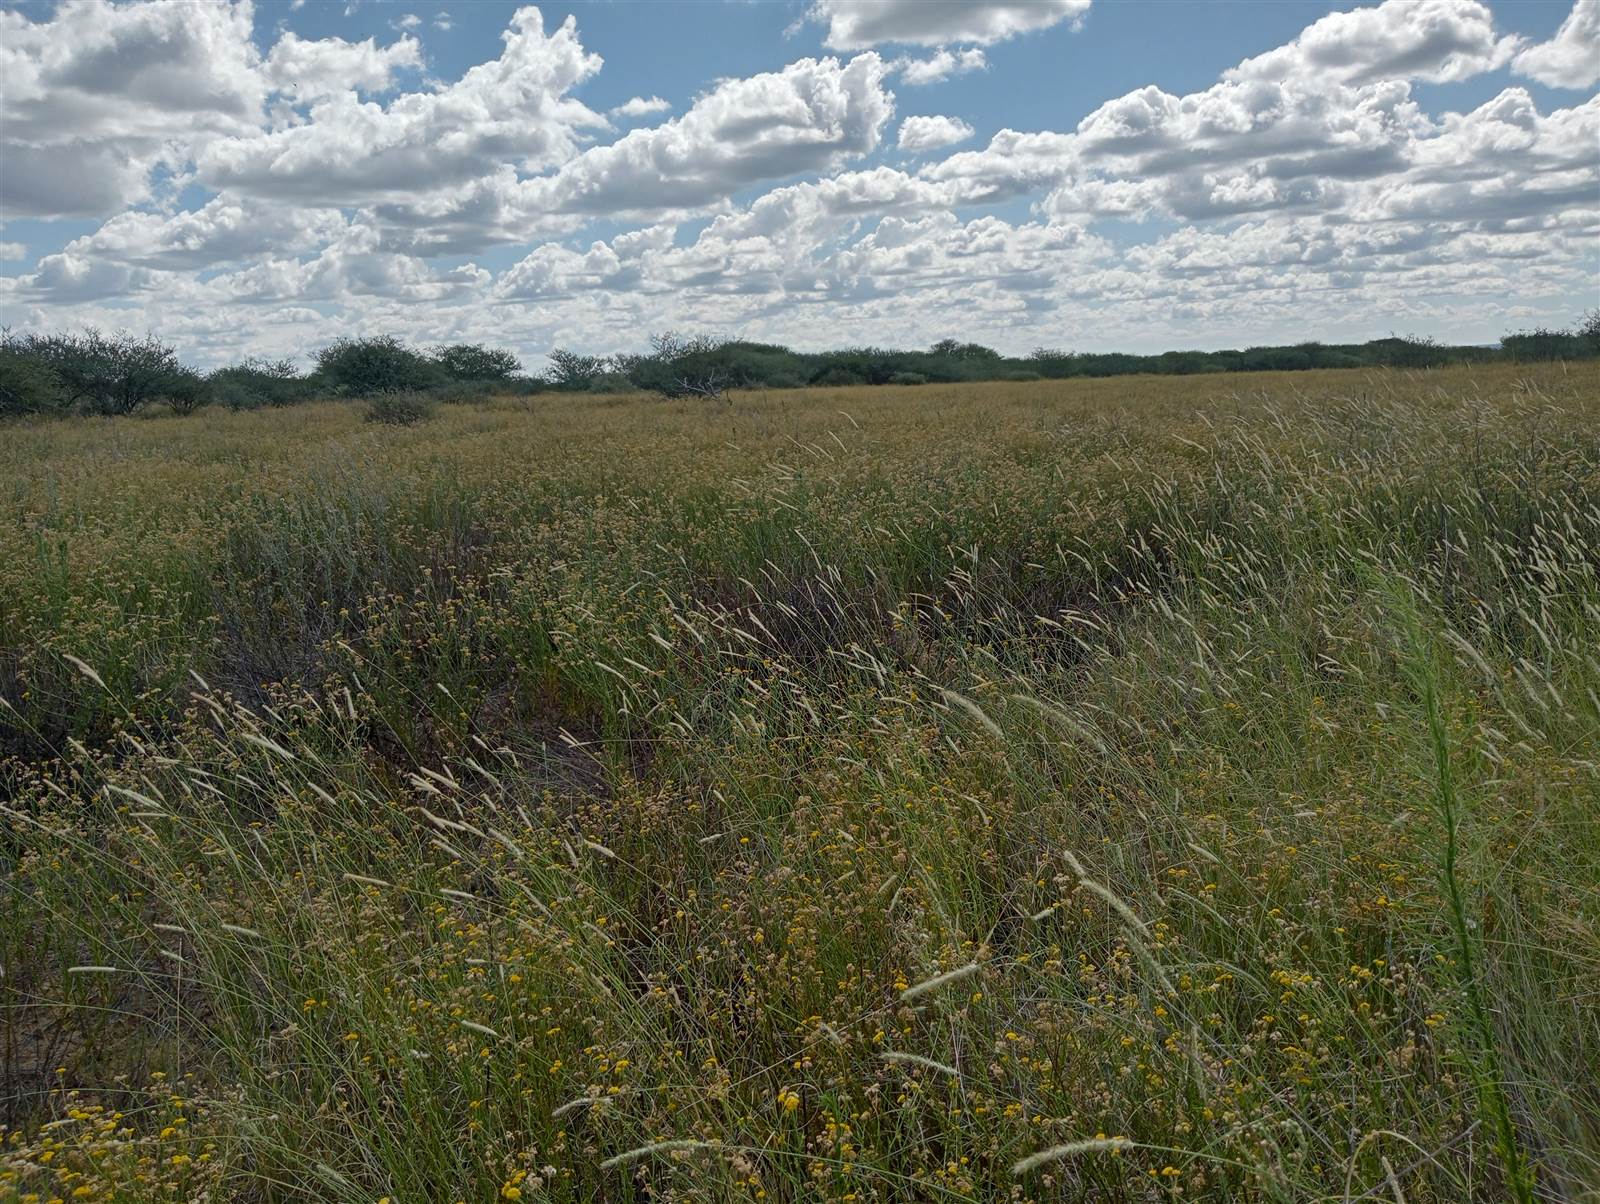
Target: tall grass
1064	791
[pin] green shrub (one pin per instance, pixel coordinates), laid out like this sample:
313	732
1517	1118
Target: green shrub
908	378
400	409
258	383
577	373
476	363
104	374
951	349
526	386
612	382
455	391
27	386
370	366
186	391
837	376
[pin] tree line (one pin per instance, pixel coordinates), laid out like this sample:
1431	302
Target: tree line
91	372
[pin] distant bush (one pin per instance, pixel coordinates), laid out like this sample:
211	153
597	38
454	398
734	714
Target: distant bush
104	374
400	409
577	373
1541	344
27	386
475	362
525	386
455	391
838	376
680	366
954	350
259	383
371	366
118	374
702	366
612	382
186	391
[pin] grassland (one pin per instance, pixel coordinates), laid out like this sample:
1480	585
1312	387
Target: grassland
1122	790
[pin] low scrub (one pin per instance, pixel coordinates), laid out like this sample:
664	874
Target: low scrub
260	383
400	409
94	373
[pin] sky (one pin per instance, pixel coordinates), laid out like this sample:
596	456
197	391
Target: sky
1139	175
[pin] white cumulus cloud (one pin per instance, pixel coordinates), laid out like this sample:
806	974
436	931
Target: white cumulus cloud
858	24
940	66
806	118
309	69
1571	59
1433	40
918	134
94	97
640	106
513	109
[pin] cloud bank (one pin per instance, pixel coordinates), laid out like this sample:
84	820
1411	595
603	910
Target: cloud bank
261	199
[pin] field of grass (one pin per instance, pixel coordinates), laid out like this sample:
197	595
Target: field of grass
1119	790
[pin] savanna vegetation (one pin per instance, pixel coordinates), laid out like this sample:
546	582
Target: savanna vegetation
1091	790
94	373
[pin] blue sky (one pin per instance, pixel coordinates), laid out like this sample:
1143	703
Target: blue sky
1116	174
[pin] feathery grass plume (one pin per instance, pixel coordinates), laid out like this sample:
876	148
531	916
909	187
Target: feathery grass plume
583	1101
939	980
364	880
976	711
448	849
1071	1149
240	930
1137	929
507	843
155	807
333	1176
84	669
94	970
1116	904
272	746
911	1059
655	1149
480	1028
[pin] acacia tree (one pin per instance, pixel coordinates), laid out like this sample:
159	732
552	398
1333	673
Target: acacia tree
106	374
683	366
27	386
260	382
186	391
474	361
952	349
574	372
370	366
